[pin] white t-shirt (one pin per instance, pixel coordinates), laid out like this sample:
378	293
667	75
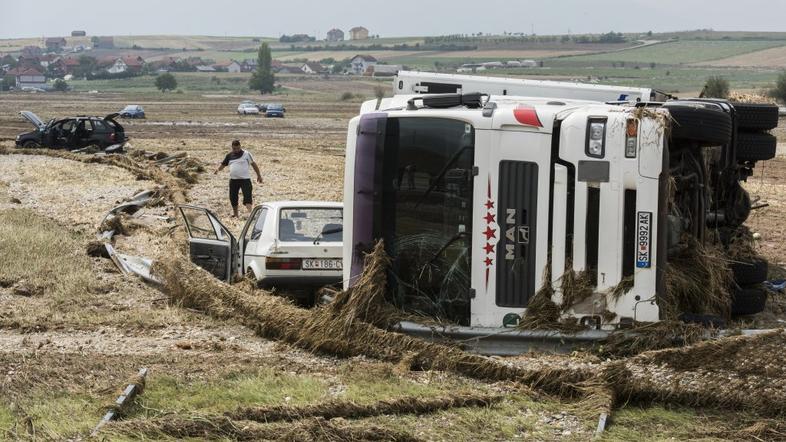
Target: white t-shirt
239	165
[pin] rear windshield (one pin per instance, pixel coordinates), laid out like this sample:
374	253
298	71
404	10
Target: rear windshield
274	107
306	224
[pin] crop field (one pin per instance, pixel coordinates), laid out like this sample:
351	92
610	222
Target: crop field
73	330
677	52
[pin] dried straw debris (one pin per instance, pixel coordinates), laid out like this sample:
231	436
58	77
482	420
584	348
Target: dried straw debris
221	427
349	409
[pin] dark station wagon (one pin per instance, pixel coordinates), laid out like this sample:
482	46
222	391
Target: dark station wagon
73	133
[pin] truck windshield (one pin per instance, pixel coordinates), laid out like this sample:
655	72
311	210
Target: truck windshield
423	210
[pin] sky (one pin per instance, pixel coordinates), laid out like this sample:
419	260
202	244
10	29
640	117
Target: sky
389	18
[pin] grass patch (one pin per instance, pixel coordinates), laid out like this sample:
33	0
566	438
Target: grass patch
54	415
46	256
657	423
265	387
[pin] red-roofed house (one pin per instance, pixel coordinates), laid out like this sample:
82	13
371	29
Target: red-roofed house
28	77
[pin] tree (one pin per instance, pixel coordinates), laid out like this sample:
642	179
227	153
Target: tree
7	82
715	87
779	92
87	65
262	79
60	85
166	82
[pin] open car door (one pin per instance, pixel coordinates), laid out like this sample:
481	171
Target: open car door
210	244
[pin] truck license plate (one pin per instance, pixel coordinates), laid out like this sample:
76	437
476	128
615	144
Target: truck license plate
322	264
643	240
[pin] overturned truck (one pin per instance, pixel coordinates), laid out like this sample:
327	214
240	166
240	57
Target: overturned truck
491	192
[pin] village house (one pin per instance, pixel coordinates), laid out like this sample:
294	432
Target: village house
248	65
335	35
358	33
128	63
69	64
55	44
313	68
360	64
205	68
234	67
28	77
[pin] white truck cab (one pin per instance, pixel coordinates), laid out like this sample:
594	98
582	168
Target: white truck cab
483	199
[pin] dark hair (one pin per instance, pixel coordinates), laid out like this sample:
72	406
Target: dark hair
236	143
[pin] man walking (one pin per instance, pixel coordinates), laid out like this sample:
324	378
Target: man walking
239	161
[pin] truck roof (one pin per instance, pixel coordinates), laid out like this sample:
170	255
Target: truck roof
505	109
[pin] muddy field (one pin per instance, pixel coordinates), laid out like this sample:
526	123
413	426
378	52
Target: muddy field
73	330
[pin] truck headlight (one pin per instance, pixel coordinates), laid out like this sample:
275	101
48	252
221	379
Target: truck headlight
596	137
631	138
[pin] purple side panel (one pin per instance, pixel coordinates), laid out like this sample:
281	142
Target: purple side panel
370	130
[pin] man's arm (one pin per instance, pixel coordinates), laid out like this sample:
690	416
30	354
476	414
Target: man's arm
222	166
256	169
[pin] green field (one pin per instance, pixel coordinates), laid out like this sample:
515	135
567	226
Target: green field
676	52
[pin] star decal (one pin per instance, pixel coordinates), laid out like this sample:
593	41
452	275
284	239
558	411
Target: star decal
489	262
490	218
489	204
489	248
490	233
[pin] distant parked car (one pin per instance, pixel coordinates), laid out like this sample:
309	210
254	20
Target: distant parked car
261	106
275	110
73	133
132	111
247	109
291	245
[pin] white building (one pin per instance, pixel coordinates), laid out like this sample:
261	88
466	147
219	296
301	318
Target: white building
360	63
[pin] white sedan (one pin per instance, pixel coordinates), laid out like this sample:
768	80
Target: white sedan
295	246
247	109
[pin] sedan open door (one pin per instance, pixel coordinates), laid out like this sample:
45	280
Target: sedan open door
210	244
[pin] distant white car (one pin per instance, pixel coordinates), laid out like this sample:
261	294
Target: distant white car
295	246
247	109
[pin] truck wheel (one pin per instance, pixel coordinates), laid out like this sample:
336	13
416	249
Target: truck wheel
756	116
30	144
748	301
698	122
749	271
755	146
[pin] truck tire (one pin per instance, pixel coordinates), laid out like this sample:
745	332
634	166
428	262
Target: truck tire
30	144
756	116
749	271
753	146
748	301
700	123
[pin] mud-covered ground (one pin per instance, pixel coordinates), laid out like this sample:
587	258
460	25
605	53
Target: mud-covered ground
73	329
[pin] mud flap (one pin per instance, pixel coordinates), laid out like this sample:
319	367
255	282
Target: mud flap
517	218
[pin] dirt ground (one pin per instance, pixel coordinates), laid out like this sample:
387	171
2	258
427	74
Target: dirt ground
68	345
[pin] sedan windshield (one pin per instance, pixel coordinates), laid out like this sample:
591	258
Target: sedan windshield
306	224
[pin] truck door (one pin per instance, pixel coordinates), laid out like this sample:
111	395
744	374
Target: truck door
210	244
511	214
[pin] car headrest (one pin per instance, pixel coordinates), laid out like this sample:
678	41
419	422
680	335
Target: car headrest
286	229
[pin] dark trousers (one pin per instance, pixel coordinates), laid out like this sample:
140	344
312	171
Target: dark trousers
237	185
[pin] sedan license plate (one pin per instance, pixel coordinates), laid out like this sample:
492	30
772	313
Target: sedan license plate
322	264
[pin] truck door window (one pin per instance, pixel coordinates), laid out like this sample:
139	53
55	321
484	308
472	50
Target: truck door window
426	213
